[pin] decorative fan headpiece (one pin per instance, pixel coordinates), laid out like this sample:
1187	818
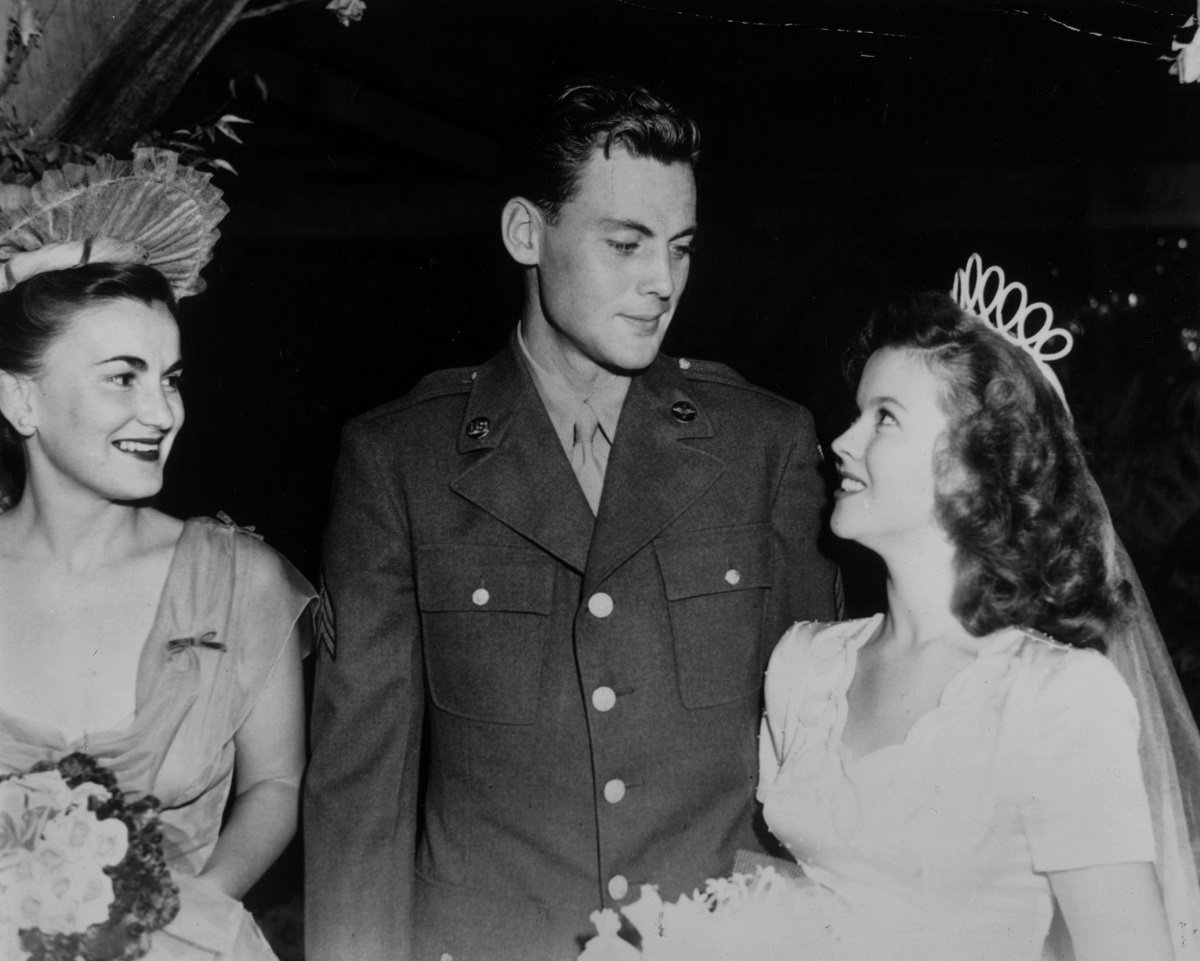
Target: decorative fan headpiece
1006	308
152	210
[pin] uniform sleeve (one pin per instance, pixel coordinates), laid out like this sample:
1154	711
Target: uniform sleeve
1085	801
806	582
361	791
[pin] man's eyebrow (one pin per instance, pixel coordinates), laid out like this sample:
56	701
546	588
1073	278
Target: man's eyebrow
638	227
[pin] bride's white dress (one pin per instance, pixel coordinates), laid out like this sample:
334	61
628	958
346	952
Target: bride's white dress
938	846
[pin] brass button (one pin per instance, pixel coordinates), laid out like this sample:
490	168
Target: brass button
600	604
614	791
604	699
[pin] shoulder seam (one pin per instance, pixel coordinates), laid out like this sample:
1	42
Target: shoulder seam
715	372
442	383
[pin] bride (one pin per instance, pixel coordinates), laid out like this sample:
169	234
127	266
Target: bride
960	776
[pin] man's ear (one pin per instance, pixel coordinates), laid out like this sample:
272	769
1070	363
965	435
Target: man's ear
16	405
521	226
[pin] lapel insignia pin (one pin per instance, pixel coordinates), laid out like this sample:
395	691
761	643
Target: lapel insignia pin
683	412
479	427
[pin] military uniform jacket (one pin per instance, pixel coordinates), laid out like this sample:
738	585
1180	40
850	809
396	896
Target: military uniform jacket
529	711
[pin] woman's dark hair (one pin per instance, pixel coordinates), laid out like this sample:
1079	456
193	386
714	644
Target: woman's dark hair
36	311
551	145
1027	521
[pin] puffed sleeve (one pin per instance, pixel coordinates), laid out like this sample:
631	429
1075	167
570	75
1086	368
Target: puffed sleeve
270	597
1084	800
785	674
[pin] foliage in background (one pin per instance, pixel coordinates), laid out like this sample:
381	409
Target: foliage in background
23	159
1135	388
196	144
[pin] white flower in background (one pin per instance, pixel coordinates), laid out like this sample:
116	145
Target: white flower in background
1187	55
347	10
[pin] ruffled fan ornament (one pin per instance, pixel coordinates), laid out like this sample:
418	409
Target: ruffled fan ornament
152	210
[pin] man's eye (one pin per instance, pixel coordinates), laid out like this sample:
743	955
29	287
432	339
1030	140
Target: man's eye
681	251
172	381
623	247
123	380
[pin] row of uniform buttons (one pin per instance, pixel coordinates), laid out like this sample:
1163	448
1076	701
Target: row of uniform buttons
604	699
599	605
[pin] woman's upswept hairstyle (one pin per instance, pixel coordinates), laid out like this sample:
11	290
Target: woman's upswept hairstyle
552	143
36	311
1028	523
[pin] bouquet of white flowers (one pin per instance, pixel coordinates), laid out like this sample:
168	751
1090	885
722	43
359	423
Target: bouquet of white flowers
82	875
764	916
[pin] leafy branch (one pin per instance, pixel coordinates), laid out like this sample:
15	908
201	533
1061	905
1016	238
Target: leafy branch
345	10
195	143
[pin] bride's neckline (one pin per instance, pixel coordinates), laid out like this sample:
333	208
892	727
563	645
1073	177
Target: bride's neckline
988	647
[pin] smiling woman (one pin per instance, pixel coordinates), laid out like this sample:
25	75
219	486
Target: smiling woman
164	649
101	407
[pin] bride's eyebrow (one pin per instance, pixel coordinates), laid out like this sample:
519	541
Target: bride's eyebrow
885	401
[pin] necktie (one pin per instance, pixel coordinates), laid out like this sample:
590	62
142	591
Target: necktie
584	462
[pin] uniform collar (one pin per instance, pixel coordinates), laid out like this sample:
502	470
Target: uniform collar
658	467
562	400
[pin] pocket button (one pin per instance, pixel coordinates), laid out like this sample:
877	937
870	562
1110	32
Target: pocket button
604	699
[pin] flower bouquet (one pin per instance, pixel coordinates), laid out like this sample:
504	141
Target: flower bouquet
82	874
764	916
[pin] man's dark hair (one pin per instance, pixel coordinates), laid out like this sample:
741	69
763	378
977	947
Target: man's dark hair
556	139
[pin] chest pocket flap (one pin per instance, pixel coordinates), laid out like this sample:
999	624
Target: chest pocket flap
484	613
716	583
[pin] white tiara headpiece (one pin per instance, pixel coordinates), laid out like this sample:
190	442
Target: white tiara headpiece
1005	307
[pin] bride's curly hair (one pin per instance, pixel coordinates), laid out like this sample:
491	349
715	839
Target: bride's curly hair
1028	523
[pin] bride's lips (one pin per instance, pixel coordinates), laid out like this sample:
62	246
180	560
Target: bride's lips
849	484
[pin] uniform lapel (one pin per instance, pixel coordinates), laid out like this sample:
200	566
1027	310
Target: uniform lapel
654	473
521	476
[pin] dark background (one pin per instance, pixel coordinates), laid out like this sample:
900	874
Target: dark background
850	148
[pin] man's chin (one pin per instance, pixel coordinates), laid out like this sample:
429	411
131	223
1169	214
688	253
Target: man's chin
631	364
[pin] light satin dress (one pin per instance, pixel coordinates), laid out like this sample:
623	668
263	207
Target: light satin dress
227	609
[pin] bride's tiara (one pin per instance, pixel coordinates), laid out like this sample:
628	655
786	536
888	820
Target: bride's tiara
1006	308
